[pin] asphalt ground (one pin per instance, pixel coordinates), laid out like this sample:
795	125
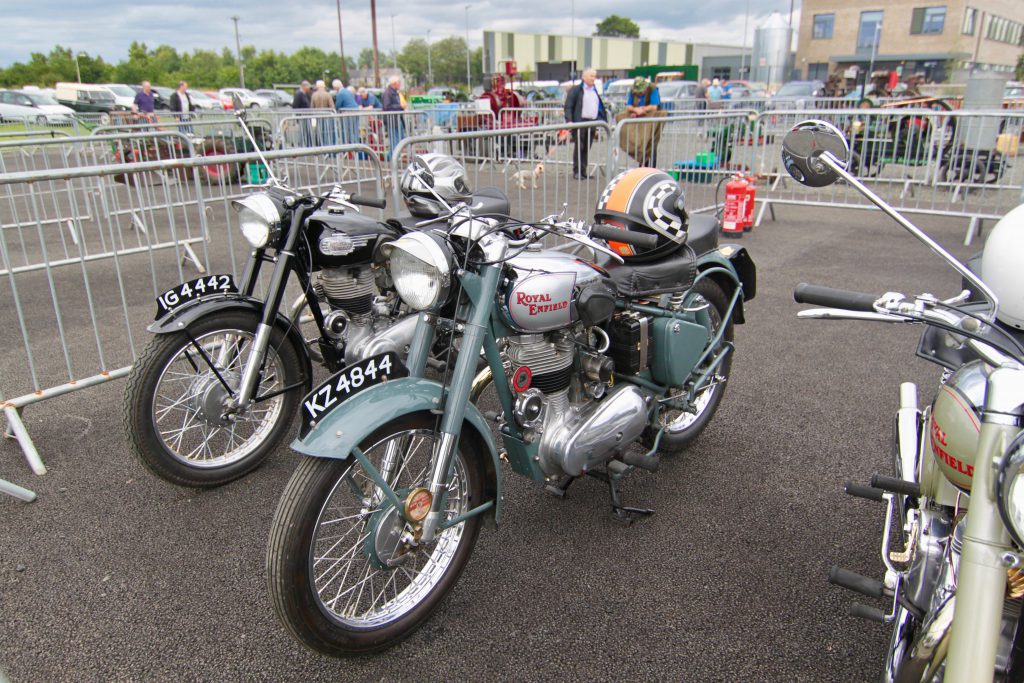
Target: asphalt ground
113	574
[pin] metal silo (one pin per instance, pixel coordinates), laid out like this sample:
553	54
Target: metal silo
772	49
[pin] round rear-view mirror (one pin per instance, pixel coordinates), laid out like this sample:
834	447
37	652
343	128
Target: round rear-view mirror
802	149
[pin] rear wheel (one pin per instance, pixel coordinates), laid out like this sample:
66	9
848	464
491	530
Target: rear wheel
173	411
346	573
683	424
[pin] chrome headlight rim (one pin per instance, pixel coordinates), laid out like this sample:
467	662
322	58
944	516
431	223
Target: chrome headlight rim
264	225
431	250
1011	468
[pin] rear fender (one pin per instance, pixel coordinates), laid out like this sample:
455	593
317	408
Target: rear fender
181	318
342	430
736	260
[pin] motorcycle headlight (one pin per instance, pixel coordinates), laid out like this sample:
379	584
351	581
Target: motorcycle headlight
421	269
1010	489
259	218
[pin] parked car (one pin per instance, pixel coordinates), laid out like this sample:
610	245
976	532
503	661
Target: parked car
226	101
674	94
88	98
798	94
250	100
159	101
278	98
35	107
123	94
616	94
200	100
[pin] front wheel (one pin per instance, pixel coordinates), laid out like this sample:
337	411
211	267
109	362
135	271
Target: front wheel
681	426
346	574
174	410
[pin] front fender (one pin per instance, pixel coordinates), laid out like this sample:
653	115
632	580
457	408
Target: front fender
366	412
180	318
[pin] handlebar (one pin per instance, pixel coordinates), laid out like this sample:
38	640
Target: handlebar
610	233
834	298
372	202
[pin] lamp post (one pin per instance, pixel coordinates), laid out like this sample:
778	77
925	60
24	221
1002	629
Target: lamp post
394	45
238	51
78	72
341	45
572	39
743	53
430	68
469	84
874	51
376	61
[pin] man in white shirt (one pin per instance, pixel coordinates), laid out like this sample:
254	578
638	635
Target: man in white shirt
583	103
182	105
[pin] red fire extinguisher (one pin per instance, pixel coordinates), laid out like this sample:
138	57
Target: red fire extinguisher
748	215
735	212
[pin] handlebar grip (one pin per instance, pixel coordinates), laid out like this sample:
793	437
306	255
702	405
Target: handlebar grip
834	298
368	201
638	239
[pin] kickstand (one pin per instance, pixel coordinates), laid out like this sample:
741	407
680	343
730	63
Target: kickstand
620	513
559	489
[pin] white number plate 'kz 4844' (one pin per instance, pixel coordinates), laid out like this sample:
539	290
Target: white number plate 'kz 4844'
346	383
193	289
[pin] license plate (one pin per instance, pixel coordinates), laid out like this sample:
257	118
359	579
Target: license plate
193	289
345	384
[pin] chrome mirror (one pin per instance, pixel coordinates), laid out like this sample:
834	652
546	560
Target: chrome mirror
802	146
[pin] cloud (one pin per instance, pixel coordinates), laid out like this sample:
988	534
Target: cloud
108	28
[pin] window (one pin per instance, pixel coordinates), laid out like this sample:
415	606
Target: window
927	20
1004	30
870	29
823	24
970	21
721	72
817	71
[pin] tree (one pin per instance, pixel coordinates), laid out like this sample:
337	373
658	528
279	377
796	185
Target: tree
615	26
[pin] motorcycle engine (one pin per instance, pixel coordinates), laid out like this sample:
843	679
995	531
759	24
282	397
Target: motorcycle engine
353	316
580	422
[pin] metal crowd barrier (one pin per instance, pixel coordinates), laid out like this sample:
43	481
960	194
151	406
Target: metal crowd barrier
937	162
86	249
533	165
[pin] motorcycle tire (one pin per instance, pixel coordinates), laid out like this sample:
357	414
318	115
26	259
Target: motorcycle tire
170	370
325	501
682	427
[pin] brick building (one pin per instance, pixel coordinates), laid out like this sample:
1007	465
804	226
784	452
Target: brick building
943	39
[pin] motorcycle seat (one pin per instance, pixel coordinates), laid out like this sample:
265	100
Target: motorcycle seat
674	273
702	232
490	201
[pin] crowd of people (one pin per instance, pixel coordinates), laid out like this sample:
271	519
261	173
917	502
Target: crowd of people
341	99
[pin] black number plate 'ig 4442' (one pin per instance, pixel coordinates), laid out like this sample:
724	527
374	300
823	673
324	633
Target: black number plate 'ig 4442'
345	384
193	289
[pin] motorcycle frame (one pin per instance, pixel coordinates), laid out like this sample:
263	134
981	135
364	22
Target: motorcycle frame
339	434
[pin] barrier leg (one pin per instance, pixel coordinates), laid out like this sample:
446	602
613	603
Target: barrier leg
973	228
16	491
16	426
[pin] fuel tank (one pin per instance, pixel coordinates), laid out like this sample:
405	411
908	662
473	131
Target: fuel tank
550	290
345	238
955	423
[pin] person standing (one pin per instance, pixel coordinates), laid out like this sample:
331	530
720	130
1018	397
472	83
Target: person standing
700	93
715	94
344	101
322	99
391	101
644	100
583	103
145	101
181	104
301	101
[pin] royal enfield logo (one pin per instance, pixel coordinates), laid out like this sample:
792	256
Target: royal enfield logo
539	303
542	302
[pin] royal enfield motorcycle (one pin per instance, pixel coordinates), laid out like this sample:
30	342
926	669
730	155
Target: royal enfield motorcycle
598	371
954	523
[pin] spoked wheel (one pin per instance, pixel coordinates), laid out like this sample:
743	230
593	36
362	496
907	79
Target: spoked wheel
682	426
175	402
346	573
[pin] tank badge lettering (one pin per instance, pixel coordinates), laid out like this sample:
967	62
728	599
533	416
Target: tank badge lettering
539	303
944	455
938	434
542	301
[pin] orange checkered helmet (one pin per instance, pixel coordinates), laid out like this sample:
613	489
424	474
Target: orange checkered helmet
646	200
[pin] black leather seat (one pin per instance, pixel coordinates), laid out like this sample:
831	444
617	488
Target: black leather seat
702	232
674	273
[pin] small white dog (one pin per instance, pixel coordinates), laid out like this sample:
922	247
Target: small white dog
522	178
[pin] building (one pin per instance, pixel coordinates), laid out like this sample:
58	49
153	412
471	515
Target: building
552	56
942	41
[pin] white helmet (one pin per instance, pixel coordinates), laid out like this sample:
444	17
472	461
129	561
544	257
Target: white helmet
1002	267
446	176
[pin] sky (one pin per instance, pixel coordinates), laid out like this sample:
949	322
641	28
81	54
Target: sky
107	28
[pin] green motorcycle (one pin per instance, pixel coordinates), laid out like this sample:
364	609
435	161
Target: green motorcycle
597	370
